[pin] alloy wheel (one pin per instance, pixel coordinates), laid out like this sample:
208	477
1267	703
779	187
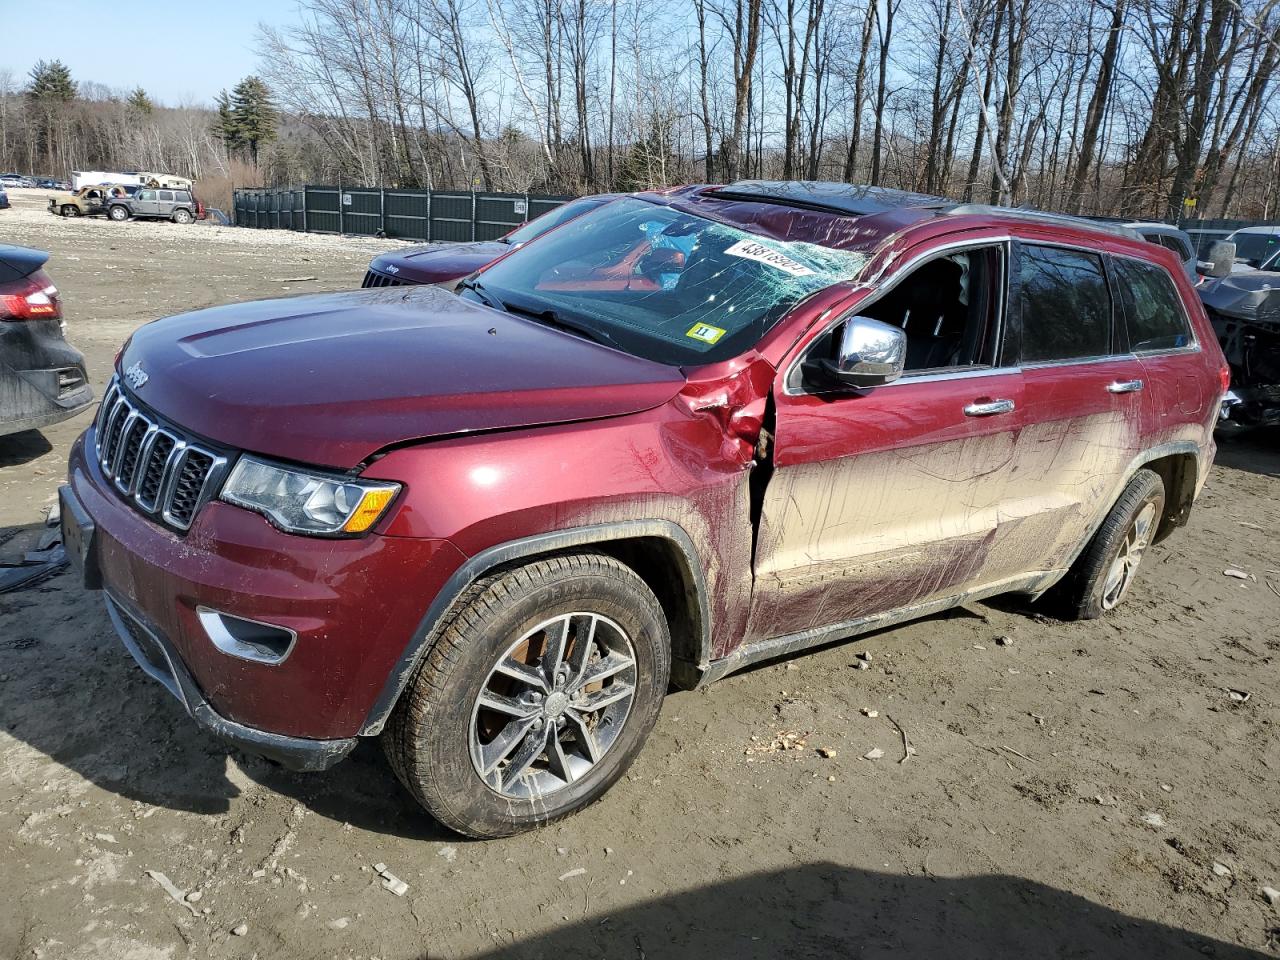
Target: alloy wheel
553	705
1125	566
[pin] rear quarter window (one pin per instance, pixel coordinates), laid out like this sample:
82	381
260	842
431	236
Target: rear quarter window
1065	304
1153	313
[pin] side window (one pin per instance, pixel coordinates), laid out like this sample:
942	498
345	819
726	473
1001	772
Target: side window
950	308
146	194
1153	312
1176	244
1065	303
166	195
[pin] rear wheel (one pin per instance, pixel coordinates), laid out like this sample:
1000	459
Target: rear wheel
118	213
182	216
1104	572
536	697
70	210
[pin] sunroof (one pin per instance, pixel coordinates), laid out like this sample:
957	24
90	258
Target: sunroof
850	199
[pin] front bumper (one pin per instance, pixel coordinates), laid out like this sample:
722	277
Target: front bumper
353	606
157	657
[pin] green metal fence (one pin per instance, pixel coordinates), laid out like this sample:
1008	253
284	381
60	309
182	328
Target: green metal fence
389	211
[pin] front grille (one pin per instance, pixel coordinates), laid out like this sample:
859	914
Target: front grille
153	466
375	279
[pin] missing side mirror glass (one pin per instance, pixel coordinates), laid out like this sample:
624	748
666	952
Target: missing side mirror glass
1222	256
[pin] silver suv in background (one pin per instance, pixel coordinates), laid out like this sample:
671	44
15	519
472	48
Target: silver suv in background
150	204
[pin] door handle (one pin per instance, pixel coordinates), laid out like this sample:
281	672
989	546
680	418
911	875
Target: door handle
987	408
1124	386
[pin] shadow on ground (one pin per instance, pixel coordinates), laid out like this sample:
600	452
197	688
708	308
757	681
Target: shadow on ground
70	690
19	448
829	911
1255	451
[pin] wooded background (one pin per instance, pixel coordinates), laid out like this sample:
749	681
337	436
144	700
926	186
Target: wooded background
1127	108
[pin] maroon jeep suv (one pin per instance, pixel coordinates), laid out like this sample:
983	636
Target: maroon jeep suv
676	436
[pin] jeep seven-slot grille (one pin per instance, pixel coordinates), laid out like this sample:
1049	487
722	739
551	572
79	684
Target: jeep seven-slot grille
374	279
151	465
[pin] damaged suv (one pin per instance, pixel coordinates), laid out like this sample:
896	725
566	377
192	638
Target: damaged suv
676	436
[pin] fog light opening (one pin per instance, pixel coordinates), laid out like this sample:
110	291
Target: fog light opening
246	639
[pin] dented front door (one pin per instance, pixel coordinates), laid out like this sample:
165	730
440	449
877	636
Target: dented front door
885	499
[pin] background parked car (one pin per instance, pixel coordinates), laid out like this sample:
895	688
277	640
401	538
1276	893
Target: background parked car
148	204
10	179
1166	235
4	198
449	262
42	377
85	202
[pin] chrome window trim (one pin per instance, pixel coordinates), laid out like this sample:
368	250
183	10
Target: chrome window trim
900	273
965	374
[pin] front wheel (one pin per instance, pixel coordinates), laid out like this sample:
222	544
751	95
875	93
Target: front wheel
118	214
70	210
1105	571
536	697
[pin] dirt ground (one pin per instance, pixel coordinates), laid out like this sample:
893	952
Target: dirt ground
1076	789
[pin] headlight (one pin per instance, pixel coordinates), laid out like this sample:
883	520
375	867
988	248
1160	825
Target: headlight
302	502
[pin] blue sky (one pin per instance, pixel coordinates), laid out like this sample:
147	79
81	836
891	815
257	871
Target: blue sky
212	43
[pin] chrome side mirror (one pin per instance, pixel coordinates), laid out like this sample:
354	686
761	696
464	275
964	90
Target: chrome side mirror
868	353
1222	256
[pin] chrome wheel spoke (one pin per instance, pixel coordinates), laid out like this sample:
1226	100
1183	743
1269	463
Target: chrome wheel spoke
600	699
604	668
584	735
500	747
508	706
530	676
583	645
530	749
557	760
557	639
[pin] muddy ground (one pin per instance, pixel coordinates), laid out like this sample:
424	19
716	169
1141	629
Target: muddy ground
1072	787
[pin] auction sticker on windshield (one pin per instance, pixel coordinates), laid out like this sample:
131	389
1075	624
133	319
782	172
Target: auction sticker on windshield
705	332
762	254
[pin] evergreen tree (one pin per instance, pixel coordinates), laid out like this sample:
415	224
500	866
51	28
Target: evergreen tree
224	126
141	103
51	82
253	115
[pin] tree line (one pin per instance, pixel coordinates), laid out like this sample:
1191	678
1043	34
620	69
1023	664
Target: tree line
1134	108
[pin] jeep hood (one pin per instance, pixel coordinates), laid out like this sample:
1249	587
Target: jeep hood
1253	296
330	380
438	262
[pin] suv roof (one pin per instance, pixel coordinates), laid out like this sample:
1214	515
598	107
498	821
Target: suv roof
885	210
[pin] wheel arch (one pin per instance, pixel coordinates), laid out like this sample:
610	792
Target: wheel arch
661	552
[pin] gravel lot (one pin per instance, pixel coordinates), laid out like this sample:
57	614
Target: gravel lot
1077	790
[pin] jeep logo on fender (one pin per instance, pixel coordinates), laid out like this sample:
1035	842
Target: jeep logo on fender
136	377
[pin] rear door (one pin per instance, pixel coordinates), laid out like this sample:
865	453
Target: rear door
890	497
1084	399
164	203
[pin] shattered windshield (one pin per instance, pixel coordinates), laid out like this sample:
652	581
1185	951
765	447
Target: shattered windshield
660	283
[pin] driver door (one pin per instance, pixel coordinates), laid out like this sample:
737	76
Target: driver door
890	497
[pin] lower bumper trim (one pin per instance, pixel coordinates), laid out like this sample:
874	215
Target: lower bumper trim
161	662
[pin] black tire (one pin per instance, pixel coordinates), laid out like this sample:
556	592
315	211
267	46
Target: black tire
182	216
1089	589
429	738
118	213
70	210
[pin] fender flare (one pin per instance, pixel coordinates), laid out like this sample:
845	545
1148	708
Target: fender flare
503	553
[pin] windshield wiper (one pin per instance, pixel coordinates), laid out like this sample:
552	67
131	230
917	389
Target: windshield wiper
550	318
476	287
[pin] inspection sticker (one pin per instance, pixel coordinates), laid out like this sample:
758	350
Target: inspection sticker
759	252
705	332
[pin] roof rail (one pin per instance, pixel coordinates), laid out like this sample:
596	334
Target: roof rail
1039	216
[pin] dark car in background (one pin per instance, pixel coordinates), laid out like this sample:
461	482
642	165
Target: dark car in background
42	377
4	198
450	262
